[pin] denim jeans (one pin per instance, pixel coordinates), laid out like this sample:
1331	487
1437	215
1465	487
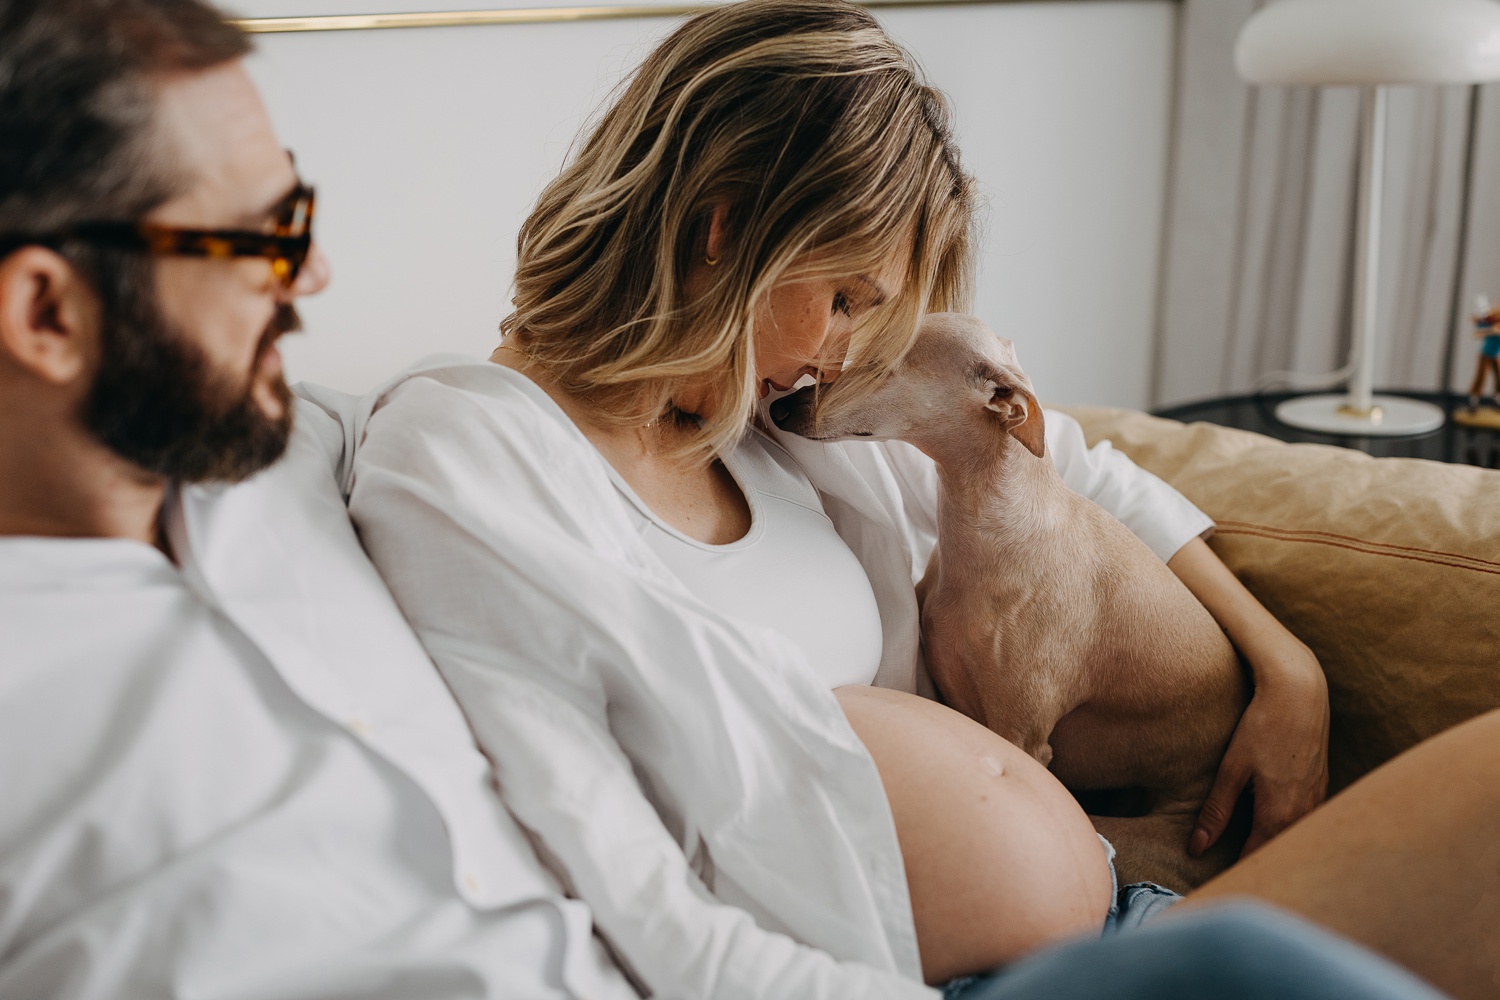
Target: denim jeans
1235	952
1134	904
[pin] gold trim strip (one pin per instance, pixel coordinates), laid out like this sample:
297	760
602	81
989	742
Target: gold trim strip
459	18
517	15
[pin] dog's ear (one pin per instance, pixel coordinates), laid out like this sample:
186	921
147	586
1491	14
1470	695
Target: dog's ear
1012	397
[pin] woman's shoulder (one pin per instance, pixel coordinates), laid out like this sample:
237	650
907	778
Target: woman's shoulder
469	402
437	385
489	447
469	425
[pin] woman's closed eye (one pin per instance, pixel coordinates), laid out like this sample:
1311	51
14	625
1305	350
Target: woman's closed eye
871	295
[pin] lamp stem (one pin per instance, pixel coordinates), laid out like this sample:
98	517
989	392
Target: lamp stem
1360	412
1367	249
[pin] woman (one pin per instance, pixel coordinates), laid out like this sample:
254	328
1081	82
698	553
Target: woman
664	628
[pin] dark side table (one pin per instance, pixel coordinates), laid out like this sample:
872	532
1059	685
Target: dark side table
1449	443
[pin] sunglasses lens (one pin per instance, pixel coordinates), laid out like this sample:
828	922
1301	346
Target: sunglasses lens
295	217
289	264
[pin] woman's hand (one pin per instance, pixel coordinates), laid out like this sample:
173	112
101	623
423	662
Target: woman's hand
1280	747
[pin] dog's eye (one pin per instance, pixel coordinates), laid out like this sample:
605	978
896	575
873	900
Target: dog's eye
841	303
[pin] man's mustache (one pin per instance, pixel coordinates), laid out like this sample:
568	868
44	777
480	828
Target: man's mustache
284	320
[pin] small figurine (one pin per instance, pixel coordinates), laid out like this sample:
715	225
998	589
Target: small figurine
1487	329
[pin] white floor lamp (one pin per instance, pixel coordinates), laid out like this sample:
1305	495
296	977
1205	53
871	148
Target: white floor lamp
1371	44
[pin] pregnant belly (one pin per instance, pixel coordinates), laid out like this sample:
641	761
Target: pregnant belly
1000	859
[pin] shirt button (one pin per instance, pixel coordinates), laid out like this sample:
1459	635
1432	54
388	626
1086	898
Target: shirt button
359	727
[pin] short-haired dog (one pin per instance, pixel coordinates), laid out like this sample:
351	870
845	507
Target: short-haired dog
1043	617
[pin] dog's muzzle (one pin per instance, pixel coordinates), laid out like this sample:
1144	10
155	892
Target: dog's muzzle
794	412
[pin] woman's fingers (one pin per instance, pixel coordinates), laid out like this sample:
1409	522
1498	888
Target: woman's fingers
1217	809
1278	751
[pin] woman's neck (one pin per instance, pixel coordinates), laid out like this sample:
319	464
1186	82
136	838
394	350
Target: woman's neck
659	436
700	499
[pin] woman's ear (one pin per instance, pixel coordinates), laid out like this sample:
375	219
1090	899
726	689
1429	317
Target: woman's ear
1011	397
718	231
49	316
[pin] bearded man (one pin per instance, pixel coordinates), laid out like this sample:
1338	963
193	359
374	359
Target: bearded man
227	767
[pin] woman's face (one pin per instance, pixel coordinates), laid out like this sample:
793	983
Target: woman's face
803	327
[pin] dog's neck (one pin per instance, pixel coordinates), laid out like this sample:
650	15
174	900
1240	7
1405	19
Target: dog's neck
992	492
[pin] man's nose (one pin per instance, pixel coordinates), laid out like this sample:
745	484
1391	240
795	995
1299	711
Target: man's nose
313	276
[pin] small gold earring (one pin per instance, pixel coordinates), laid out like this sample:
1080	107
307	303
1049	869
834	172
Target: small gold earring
711	261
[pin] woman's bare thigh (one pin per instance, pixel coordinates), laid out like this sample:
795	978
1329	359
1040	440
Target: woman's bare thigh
1405	861
999	857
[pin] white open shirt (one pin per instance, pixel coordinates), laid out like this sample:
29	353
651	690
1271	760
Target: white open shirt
690	773
242	778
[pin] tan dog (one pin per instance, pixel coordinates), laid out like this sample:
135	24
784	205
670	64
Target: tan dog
1047	620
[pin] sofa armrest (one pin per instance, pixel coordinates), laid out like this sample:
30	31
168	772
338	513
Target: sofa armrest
1389	569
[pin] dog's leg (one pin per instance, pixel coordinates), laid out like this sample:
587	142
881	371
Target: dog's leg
1024	713
1033	739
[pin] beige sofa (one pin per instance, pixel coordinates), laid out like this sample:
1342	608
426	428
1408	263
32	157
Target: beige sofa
1388	568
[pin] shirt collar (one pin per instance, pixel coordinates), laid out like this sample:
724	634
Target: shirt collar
31	563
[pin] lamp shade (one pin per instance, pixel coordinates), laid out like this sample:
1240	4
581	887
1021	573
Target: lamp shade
1358	42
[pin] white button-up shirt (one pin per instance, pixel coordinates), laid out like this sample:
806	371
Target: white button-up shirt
688	770
240	776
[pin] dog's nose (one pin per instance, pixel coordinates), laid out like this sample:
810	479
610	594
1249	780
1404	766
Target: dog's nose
785	410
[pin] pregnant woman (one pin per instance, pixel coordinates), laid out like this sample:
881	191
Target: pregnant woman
693	658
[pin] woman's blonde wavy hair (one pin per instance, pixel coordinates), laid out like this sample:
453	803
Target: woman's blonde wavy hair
831	157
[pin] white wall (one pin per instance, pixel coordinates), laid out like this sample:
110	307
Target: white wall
428	147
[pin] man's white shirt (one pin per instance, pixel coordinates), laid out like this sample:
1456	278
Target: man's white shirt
240	776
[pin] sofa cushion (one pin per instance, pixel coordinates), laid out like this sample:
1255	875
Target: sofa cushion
1389	569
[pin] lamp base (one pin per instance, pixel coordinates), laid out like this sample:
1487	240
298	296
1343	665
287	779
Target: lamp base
1391	416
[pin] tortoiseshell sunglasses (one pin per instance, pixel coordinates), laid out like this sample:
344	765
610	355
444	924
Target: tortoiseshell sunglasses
286	247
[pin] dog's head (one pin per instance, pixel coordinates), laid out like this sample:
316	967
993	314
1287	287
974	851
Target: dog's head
956	373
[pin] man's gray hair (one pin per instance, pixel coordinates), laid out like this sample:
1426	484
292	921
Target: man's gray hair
76	104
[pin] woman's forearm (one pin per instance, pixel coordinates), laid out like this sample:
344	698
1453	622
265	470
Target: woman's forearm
1275	655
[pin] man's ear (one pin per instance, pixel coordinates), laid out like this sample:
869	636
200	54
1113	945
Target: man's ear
49	316
1012	398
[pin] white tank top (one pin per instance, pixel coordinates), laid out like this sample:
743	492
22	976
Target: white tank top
791	572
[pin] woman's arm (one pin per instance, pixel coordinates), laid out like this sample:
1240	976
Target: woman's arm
1280	747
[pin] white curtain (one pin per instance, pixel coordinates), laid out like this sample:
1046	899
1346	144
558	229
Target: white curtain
1256	271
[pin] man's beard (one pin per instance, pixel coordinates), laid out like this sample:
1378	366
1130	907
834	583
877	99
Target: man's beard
158	401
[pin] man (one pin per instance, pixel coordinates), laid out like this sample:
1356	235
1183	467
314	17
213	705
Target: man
227	767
